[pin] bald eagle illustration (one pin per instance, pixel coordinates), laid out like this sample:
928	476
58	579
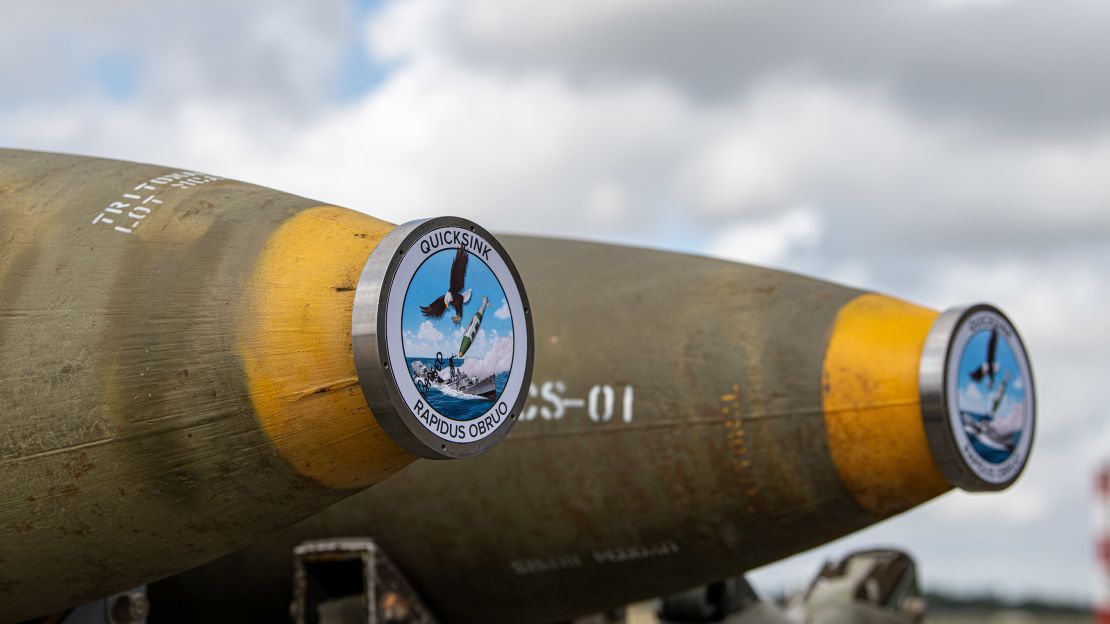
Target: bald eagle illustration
989	368
455	297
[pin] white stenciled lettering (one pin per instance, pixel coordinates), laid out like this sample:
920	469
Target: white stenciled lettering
539	565
530	408
601	410
139	205
635	552
550	391
549	401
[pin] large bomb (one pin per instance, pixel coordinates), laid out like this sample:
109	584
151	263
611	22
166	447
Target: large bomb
188	361
689	419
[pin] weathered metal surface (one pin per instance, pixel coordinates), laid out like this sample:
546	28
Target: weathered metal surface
678	433
175	376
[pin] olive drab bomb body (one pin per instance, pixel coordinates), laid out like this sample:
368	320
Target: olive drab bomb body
188	361
689	419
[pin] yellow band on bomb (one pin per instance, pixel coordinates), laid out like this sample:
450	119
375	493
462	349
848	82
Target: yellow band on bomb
872	404
295	341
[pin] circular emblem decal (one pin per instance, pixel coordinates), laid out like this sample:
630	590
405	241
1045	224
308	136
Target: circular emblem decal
979	404
452	342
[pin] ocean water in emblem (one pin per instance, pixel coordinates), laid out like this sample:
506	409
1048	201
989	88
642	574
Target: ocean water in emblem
457	334
449	401
991	396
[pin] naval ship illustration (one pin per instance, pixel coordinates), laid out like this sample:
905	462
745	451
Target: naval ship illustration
450	377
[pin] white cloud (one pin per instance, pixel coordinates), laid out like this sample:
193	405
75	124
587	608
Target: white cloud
1024	507
606	202
429	333
498	358
1011	416
769	240
972	399
429	341
502	312
954	5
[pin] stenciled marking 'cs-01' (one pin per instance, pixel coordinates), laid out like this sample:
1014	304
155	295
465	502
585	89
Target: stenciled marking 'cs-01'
178	373
690	419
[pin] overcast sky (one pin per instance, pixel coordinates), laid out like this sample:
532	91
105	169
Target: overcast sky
944	151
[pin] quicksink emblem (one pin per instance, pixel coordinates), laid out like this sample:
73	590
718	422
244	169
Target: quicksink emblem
978	398
451	341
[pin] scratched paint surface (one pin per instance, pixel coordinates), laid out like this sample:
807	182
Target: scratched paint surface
129	443
670	440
